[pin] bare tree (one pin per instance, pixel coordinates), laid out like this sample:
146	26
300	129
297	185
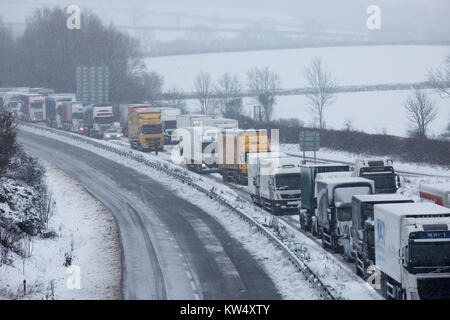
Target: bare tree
8	144
174	99
6	55
421	111
204	90
440	79
265	83
321	89
228	90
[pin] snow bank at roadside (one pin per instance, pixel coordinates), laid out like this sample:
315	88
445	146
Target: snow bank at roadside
87	234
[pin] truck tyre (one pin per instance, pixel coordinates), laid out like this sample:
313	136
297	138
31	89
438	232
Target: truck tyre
313	227
334	244
239	178
302	222
357	270
324	245
224	175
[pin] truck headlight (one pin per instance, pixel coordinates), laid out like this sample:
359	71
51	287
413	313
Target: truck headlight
203	165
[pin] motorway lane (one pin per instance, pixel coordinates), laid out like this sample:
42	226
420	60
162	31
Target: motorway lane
171	248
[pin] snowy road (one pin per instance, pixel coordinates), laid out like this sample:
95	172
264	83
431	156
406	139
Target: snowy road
172	249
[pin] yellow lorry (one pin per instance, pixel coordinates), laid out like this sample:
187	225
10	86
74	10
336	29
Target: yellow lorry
145	130
234	147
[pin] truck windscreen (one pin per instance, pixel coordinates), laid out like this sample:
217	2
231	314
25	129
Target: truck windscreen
429	254
344	213
345	194
382	180
104	120
36	105
170	124
289	181
151	128
77	115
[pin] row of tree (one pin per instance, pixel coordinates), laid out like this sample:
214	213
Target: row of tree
225	96
47	54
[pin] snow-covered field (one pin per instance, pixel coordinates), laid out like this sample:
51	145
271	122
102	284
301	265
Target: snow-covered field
86	232
350	65
369	111
331	271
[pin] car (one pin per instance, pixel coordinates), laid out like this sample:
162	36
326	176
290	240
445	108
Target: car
112	134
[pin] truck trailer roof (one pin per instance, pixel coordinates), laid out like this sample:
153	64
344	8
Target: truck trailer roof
439	188
341	180
381	197
319	165
418	209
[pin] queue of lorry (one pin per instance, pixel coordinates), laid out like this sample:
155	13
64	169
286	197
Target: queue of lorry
354	210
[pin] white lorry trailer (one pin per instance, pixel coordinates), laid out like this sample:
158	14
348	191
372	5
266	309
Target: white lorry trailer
169	122
74	120
222	123
186	121
438	193
363	233
274	182
334	209
199	149
412	250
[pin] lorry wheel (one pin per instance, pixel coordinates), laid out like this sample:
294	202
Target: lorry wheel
324	245
224	176
357	271
301	221
334	245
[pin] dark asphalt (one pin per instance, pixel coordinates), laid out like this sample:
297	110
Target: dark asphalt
171	248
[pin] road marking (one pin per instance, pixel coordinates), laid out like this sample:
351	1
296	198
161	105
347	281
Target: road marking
189	274
193	286
197	296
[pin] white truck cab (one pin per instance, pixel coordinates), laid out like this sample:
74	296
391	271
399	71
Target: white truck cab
334	208
274	182
381	171
412	250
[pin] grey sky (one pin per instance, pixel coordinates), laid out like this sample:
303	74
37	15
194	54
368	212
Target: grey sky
427	18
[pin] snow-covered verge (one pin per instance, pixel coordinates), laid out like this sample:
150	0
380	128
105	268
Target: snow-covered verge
84	242
342	281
